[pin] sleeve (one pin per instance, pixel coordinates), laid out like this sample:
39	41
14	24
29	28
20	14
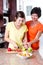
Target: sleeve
8	26
40	28
27	23
26	29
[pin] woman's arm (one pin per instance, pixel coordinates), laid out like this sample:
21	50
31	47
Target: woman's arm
36	38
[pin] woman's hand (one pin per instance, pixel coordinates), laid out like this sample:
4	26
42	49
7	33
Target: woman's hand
26	46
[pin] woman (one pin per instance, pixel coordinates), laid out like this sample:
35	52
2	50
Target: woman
15	32
35	28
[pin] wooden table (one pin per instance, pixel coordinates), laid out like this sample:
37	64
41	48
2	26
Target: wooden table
12	59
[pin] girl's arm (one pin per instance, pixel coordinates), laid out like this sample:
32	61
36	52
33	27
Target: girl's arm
25	41
36	38
25	38
6	38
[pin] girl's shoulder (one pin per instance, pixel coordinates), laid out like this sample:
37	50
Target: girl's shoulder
10	23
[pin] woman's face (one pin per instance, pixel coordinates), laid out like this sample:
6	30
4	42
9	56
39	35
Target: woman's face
20	21
34	17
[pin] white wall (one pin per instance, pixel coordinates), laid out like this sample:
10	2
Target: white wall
5	6
22	4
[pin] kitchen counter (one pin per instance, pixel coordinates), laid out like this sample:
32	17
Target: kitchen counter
13	59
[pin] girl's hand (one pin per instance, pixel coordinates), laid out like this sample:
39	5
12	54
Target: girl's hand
14	44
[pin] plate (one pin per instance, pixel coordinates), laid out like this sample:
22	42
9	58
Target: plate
24	55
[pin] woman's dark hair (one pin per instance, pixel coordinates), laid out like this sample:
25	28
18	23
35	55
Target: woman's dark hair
36	10
19	14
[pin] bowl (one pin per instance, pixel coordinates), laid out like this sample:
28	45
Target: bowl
24	55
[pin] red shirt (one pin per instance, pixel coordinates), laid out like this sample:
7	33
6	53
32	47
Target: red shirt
32	32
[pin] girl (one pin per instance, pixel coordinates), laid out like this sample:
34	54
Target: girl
15	32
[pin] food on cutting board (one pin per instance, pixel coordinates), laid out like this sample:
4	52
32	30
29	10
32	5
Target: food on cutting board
9	49
16	50
30	50
23	49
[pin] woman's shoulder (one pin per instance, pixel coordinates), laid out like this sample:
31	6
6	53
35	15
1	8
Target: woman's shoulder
40	26
28	22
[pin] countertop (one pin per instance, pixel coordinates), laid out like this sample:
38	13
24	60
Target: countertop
13	59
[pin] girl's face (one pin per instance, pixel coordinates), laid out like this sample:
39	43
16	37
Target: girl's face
34	17
20	21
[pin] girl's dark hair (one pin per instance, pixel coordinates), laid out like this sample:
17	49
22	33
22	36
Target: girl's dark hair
19	14
36	10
